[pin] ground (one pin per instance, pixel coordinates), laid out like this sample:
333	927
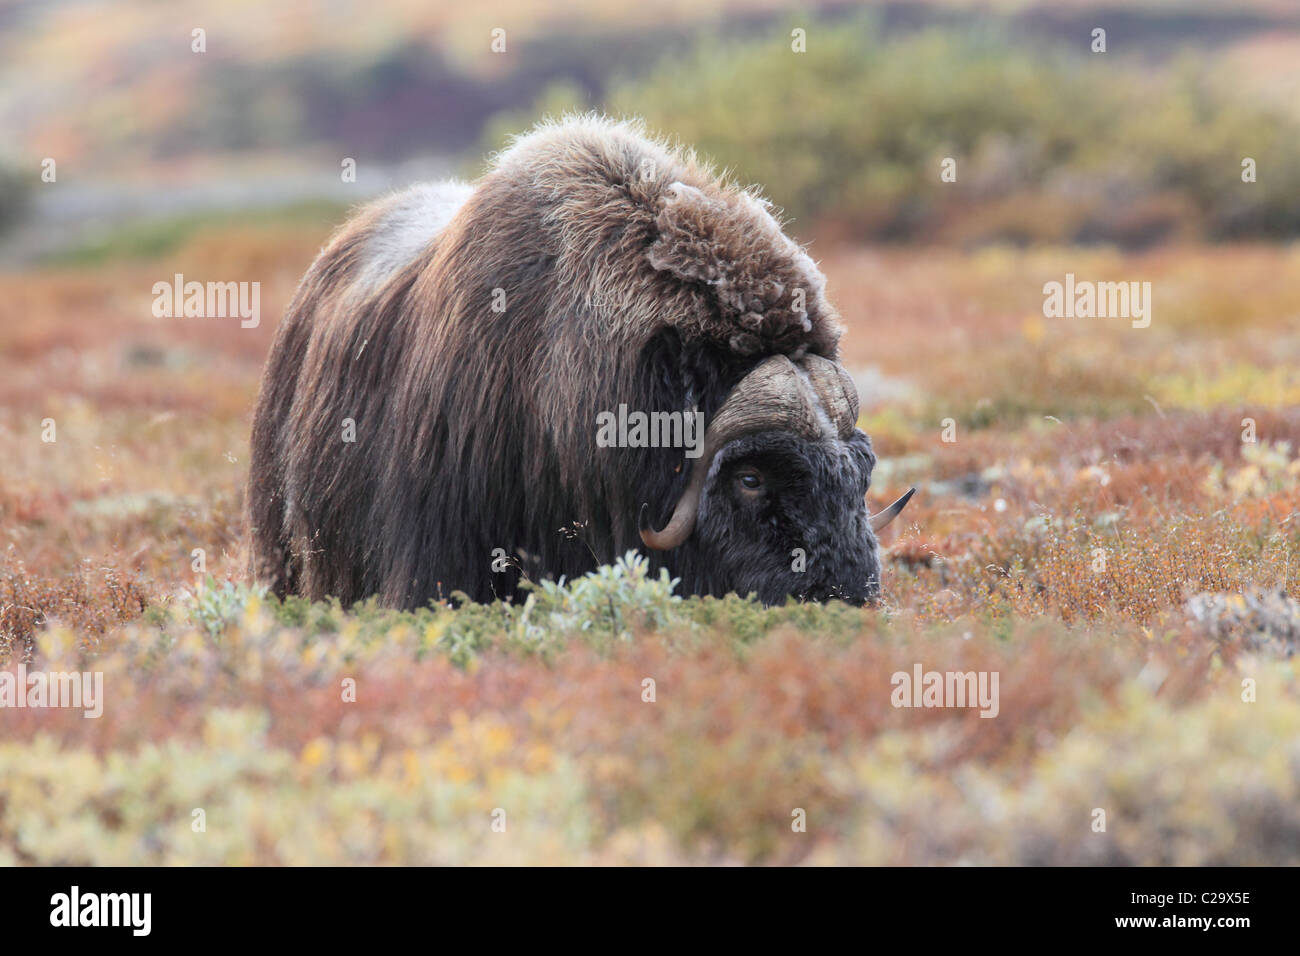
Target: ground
1106	518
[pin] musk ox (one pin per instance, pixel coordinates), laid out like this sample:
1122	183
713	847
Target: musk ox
428	416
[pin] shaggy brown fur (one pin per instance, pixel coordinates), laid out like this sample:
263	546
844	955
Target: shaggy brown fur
628	273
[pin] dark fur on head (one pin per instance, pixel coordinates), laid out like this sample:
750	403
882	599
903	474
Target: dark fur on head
630	274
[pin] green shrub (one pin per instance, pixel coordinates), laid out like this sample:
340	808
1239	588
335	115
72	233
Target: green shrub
216	606
611	600
1051	143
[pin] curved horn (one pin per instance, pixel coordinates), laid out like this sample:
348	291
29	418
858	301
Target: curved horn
772	396
882	518
835	390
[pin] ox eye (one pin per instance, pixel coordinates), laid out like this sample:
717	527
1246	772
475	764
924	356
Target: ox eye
750	481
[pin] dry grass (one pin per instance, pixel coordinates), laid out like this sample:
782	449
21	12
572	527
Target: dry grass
1059	552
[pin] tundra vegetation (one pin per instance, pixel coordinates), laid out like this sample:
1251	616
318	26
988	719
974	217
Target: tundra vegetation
1118	691
1106	516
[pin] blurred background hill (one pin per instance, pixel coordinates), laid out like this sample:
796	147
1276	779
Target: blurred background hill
1054	143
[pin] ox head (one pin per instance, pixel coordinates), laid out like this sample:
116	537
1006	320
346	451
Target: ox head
775	504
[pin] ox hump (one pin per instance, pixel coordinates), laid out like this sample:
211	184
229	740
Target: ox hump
651	228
